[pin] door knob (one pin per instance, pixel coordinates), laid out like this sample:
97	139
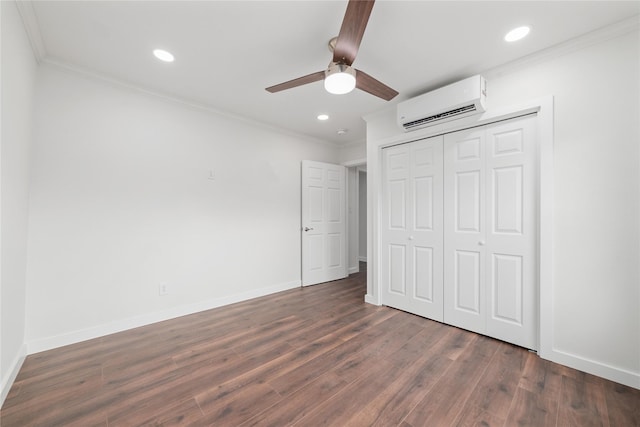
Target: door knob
481	243
307	229
410	237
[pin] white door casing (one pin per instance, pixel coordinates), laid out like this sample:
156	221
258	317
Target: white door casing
491	231
413	227
324	226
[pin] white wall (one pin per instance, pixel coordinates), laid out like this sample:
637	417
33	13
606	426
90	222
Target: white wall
121	201
17	77
596	196
596	207
362	214
354	151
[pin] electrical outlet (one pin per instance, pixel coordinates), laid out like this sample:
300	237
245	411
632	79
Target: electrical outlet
163	289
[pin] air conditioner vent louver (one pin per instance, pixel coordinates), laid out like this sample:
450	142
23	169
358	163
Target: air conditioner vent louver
441	116
452	102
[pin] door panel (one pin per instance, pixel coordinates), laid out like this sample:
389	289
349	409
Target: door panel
314	252
323	222
314	209
335	250
467	201
397	262
467	282
423	271
511	241
398	204
506	288
423	196
334	201
469	147
412	222
508	198
464	199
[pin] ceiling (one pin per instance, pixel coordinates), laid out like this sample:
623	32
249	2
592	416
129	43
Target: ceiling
227	52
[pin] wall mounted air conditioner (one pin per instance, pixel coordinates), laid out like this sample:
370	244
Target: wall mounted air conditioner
461	99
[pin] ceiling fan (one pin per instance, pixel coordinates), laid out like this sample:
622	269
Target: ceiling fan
340	77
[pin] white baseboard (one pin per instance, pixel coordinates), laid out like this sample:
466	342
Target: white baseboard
369	299
16	364
628	378
362	259
354	269
49	343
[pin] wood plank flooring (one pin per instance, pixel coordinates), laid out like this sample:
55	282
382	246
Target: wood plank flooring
308	357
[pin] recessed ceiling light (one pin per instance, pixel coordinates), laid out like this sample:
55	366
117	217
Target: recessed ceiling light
163	55
323	117
517	34
342	131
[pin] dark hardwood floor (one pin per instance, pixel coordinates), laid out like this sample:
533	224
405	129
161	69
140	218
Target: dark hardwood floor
308	357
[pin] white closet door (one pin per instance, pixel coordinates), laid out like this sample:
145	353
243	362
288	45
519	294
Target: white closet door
490	231
464	225
412	228
511	238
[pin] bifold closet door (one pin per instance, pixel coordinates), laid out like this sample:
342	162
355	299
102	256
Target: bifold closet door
412	227
464	236
490	237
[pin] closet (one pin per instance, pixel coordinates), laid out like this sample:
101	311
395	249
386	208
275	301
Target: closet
459	229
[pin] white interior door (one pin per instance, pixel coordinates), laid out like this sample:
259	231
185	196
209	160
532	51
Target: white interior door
412	228
324	223
490	231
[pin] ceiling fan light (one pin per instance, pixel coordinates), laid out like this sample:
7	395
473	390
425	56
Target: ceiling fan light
339	79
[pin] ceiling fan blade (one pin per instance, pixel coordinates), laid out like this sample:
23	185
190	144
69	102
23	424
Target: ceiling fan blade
368	84
353	26
297	82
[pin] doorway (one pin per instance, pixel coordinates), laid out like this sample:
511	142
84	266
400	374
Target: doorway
357	216
362	214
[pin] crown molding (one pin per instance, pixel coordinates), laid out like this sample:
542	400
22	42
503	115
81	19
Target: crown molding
122	84
32	28
600	35
30	22
354	143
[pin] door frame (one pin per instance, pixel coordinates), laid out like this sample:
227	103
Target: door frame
543	108
356	166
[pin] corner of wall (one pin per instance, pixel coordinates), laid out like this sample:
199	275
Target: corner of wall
30	22
19	65
15	366
353	153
